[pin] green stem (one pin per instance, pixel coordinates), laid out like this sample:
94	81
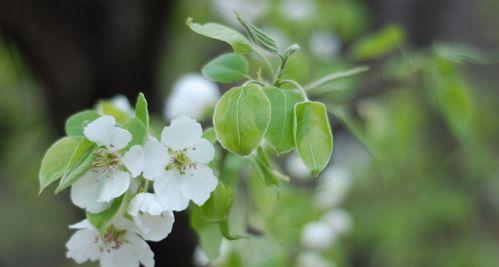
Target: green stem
279	71
335	76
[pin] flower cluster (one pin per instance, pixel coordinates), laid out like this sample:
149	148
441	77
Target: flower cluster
120	175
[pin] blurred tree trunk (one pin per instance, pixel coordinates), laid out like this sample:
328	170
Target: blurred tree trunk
83	50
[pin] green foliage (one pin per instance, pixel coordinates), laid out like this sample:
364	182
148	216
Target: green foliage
313	137
379	44
107	108
138	131
240	127
218	206
237	41
209	234
56	160
101	220
141	111
260	38
264	169
80	162
210	135
280	131
226	68
75	124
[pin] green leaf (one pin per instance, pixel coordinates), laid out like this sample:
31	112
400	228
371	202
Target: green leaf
75	124
226	68
280	131
209	234
218	206
56	160
237	41
379	44
258	36
264	169
101	220
107	108
80	162
313	137
141	111
210	135
138	131
225	230
241	118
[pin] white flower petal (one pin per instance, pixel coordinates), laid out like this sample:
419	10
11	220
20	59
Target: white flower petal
167	190
82	246
114	185
121	257
99	130
133	159
156	158
154	227
318	235
119	139
183	132
198	183
85	224
146	203
141	250
85	192
203	151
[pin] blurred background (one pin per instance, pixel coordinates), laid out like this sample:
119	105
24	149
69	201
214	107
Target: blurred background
414	179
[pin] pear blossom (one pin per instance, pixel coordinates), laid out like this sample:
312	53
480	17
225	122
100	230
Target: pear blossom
251	10
334	184
149	160
189	177
324	45
121	102
193	95
107	179
119	246
320	235
298	10
152	220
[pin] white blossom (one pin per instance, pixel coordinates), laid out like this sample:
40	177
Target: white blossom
121	103
119	246
324	45
296	167
298	10
193	96
153	221
250	10
334	185
320	235
189	178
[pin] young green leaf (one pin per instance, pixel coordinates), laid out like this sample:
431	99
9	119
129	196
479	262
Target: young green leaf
209	234
237	41
141	111
259	37
107	108
138	131
226	68
80	162
313	137
218	205
101	220
280	132
209	134
225	230
241	118
75	124
56	160
264	169
379	44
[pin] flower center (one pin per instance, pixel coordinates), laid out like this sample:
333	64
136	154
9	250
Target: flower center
181	161
112	239
106	158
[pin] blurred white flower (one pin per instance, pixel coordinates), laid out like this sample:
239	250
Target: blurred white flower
192	95
324	45
250	10
296	167
334	184
118	247
121	102
189	178
312	259
298	10
200	258
322	234
153	221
